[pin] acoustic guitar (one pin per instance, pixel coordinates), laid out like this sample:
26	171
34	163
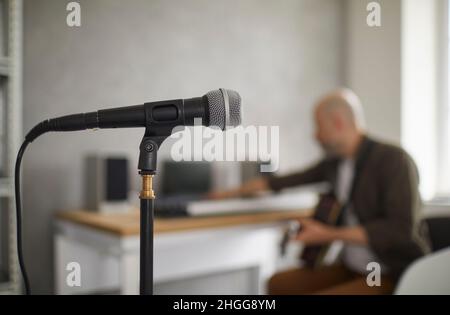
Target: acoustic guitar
327	211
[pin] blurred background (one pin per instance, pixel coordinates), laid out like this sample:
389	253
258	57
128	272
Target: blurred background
279	55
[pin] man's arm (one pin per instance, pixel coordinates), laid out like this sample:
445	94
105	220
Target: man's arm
355	234
314	232
313	174
249	188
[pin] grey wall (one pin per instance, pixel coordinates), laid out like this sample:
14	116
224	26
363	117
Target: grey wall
373	65
280	55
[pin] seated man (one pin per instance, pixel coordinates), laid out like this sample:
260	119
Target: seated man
381	222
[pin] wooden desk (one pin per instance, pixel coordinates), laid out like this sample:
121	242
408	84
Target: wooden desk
106	246
126	224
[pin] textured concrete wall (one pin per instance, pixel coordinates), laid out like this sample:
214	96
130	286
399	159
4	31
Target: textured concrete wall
373	67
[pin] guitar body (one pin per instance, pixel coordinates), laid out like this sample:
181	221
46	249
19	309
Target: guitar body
327	211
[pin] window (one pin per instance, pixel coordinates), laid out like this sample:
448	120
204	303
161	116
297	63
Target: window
443	178
425	93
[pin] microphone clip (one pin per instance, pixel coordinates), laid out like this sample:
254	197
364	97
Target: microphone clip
148	152
155	134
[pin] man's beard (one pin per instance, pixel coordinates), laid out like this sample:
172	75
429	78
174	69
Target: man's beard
330	149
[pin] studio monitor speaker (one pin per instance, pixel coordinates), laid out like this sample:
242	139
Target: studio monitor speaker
107	183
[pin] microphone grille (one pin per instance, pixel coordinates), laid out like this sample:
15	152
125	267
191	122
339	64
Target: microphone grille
224	108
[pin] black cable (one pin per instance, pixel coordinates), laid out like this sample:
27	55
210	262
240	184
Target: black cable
19	217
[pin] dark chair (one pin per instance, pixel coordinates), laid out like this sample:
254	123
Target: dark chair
439	231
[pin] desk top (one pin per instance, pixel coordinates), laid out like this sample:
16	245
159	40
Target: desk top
127	224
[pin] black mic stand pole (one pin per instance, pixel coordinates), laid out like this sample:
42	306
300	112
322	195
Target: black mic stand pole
147	168
155	134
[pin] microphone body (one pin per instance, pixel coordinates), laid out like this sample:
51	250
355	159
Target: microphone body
219	108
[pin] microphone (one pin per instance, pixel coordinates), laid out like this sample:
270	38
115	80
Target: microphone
219	108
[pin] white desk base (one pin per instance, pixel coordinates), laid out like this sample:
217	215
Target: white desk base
111	262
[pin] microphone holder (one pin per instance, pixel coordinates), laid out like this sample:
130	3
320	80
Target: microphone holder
148	150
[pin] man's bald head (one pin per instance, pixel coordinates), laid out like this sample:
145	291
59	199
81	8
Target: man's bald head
345	103
339	120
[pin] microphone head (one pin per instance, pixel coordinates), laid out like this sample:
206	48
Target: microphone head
224	108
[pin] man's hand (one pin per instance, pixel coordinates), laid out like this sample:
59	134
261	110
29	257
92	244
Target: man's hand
314	232
249	188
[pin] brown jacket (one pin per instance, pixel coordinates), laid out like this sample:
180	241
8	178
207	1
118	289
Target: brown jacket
386	201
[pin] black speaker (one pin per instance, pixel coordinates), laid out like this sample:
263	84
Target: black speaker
107	183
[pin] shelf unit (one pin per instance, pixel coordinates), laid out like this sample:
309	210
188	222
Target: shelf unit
10	137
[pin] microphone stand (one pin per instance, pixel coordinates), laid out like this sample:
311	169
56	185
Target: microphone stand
147	168
155	134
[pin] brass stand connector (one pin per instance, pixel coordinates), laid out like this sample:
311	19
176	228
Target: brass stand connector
147	187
